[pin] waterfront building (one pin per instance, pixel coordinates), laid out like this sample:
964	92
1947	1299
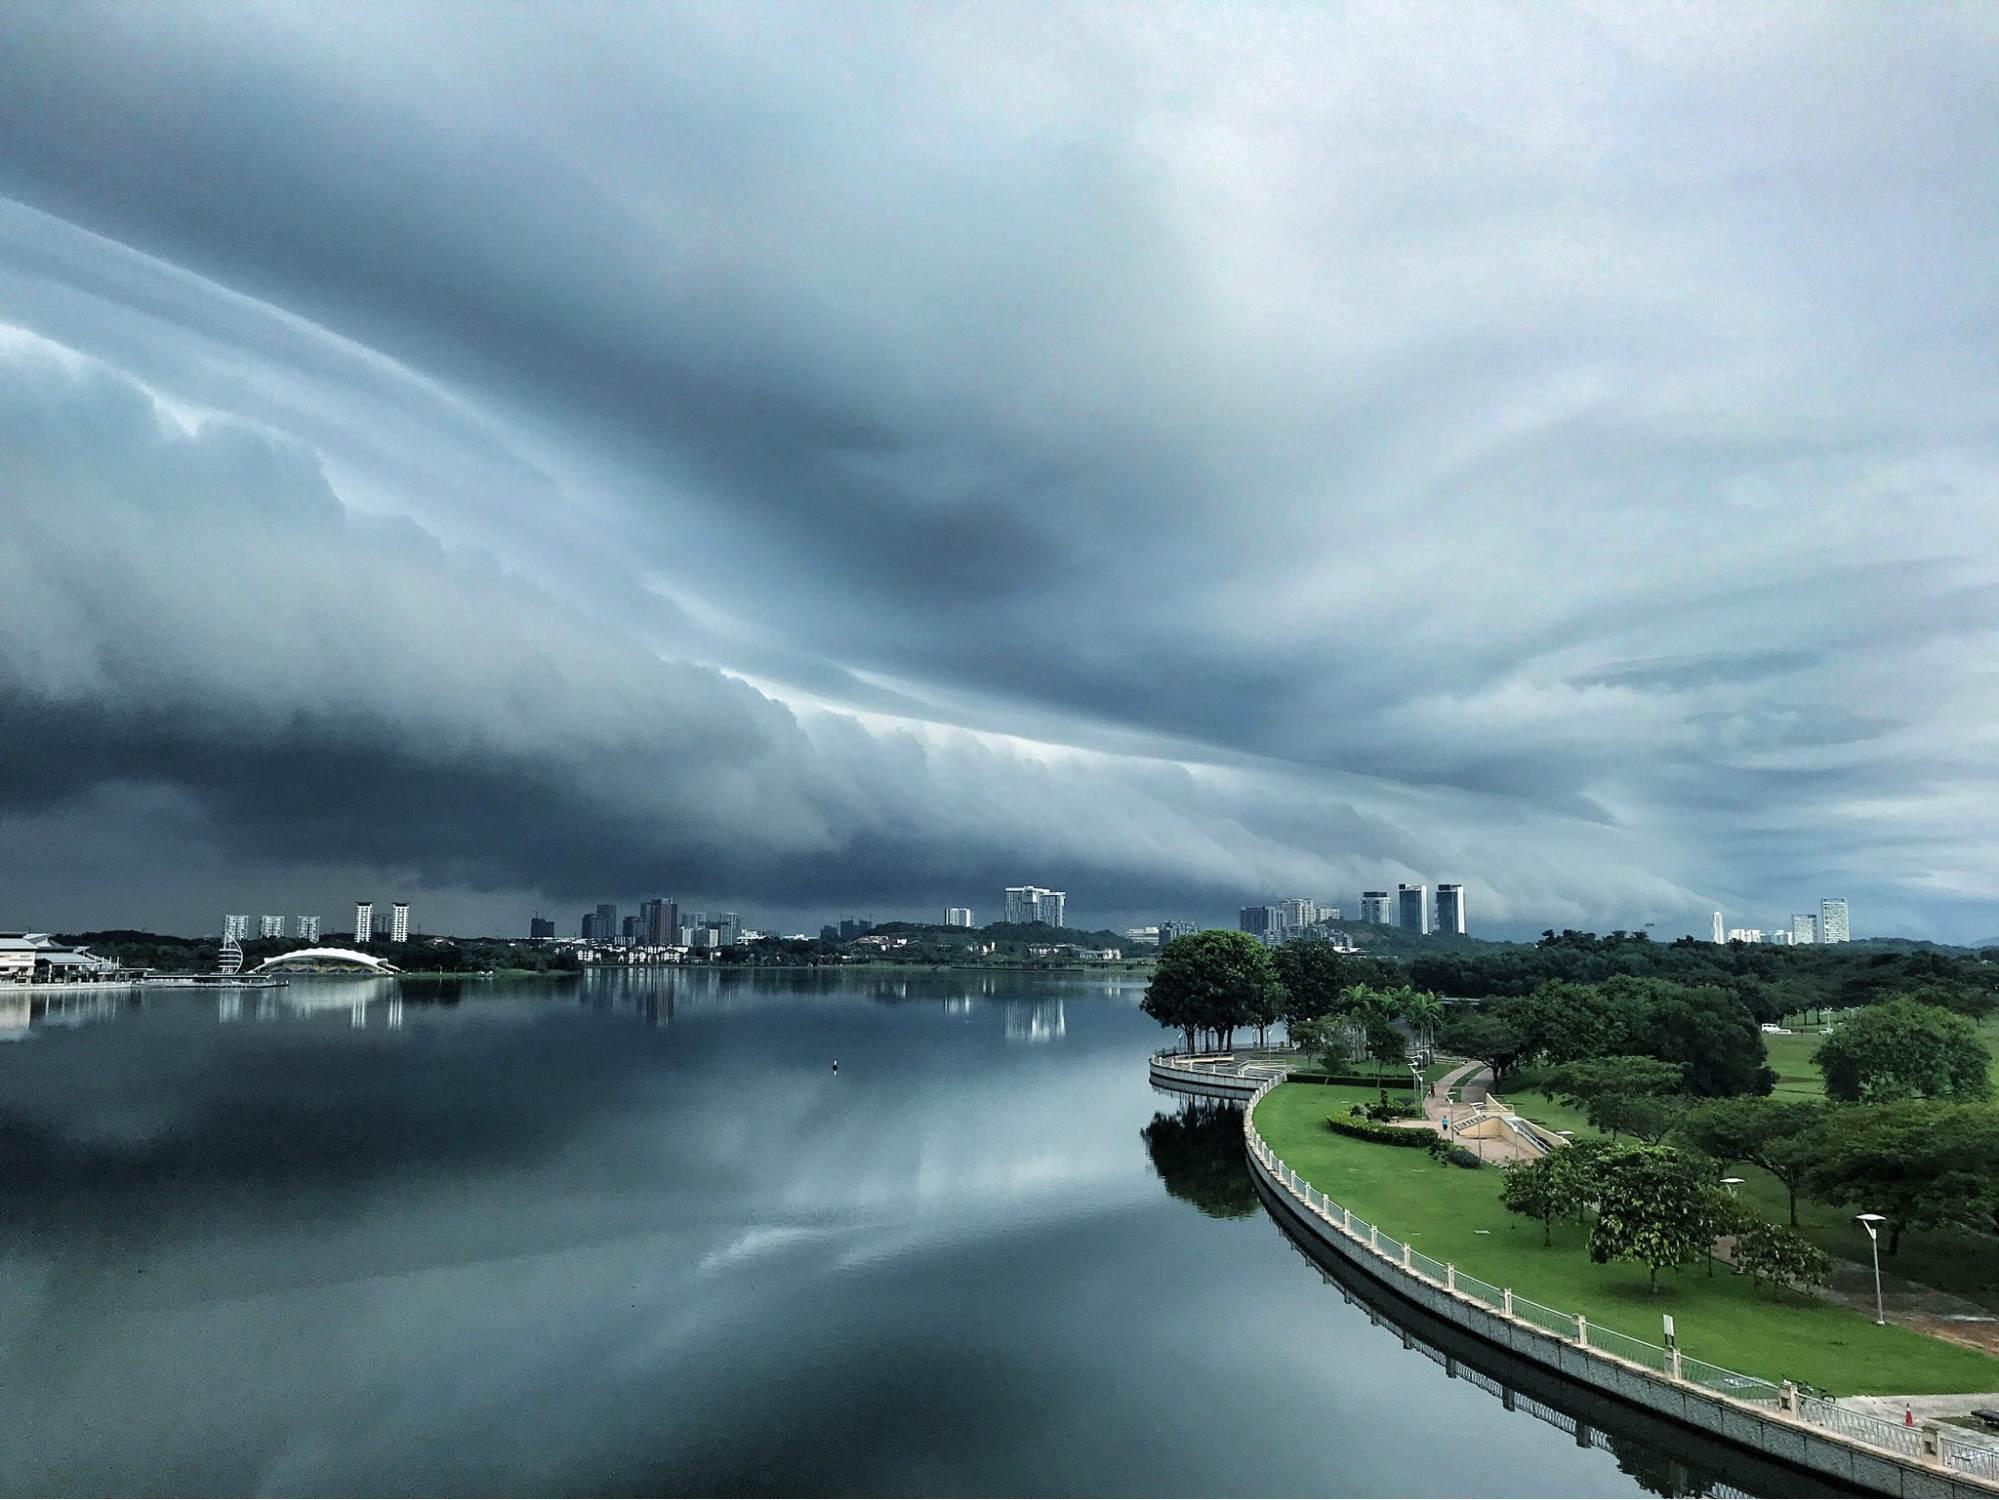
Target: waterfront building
37	958
606	928
957	916
364	921
1451	908
306	927
399	925
1717	927
1412	904
235	926
1374	908
1832	921
1033	903
540	927
659	922
1804	927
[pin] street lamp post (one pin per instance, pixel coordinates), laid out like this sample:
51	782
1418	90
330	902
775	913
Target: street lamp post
1867	1222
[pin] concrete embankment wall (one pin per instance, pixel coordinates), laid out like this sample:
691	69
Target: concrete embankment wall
1759	1429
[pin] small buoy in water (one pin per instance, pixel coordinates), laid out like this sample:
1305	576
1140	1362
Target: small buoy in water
836	1065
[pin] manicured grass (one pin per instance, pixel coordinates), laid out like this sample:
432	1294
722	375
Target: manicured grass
1441	1210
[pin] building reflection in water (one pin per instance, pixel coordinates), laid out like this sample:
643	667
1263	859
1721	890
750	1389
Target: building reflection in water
1035	1021
23	1013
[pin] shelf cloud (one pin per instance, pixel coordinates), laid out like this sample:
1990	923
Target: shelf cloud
818	457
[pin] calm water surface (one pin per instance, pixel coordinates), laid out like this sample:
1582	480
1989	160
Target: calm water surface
632	1235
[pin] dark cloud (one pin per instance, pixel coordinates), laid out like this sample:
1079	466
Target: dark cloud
1211	454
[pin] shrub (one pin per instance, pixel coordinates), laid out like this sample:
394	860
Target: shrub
1463	1158
1406	1082
1384	1135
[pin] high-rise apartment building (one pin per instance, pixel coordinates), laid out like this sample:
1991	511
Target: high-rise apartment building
1717	927
399	922
364	921
957	916
269	926
307	928
1832	921
1374	908
1451	908
659	922
606	926
728	928
1299	912
235	927
540	927
1804	927
1257	921
1033	903
1412	904
1745	934
1171	930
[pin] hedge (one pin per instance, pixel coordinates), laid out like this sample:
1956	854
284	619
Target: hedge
1355	1080
1384	1135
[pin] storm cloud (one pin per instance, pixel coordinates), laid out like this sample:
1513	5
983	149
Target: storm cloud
817	457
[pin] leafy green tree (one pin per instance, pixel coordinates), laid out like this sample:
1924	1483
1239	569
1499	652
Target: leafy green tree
1312	973
1533	1188
1923	1164
1210	984
1778	1135
1324	1038
1424	1012
1622	1095
1657	1206
1902	1049
1487	1036
1785	1256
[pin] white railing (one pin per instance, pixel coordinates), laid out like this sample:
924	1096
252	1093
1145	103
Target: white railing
1972	1459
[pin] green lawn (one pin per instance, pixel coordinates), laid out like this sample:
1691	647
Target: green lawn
1947	1259
1441	1210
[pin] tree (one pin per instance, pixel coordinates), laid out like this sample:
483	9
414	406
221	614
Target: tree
1487	1036
1324	1039
1778	1135
1902	1049
1656	1206
1785	1256
1534	1188
1312	973
1423	1011
1211	983
1923	1164
1622	1094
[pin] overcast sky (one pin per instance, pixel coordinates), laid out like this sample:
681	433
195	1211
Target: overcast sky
809	459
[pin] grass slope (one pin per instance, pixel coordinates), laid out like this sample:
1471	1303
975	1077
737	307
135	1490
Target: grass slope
1442	1209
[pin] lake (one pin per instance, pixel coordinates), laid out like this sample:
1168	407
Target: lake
634	1234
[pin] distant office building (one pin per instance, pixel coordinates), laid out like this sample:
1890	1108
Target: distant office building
1745	934
1257	921
1033	903
629	929
268	926
1329	914
957	916
399	924
1171	930
1779	937
1717	927
659	922
1451	908
829	934
587	928
1804	927
1374	908
364	921
540	927
307	928
1832	921
235	928
1412	906
855	927
607	922
1298	912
